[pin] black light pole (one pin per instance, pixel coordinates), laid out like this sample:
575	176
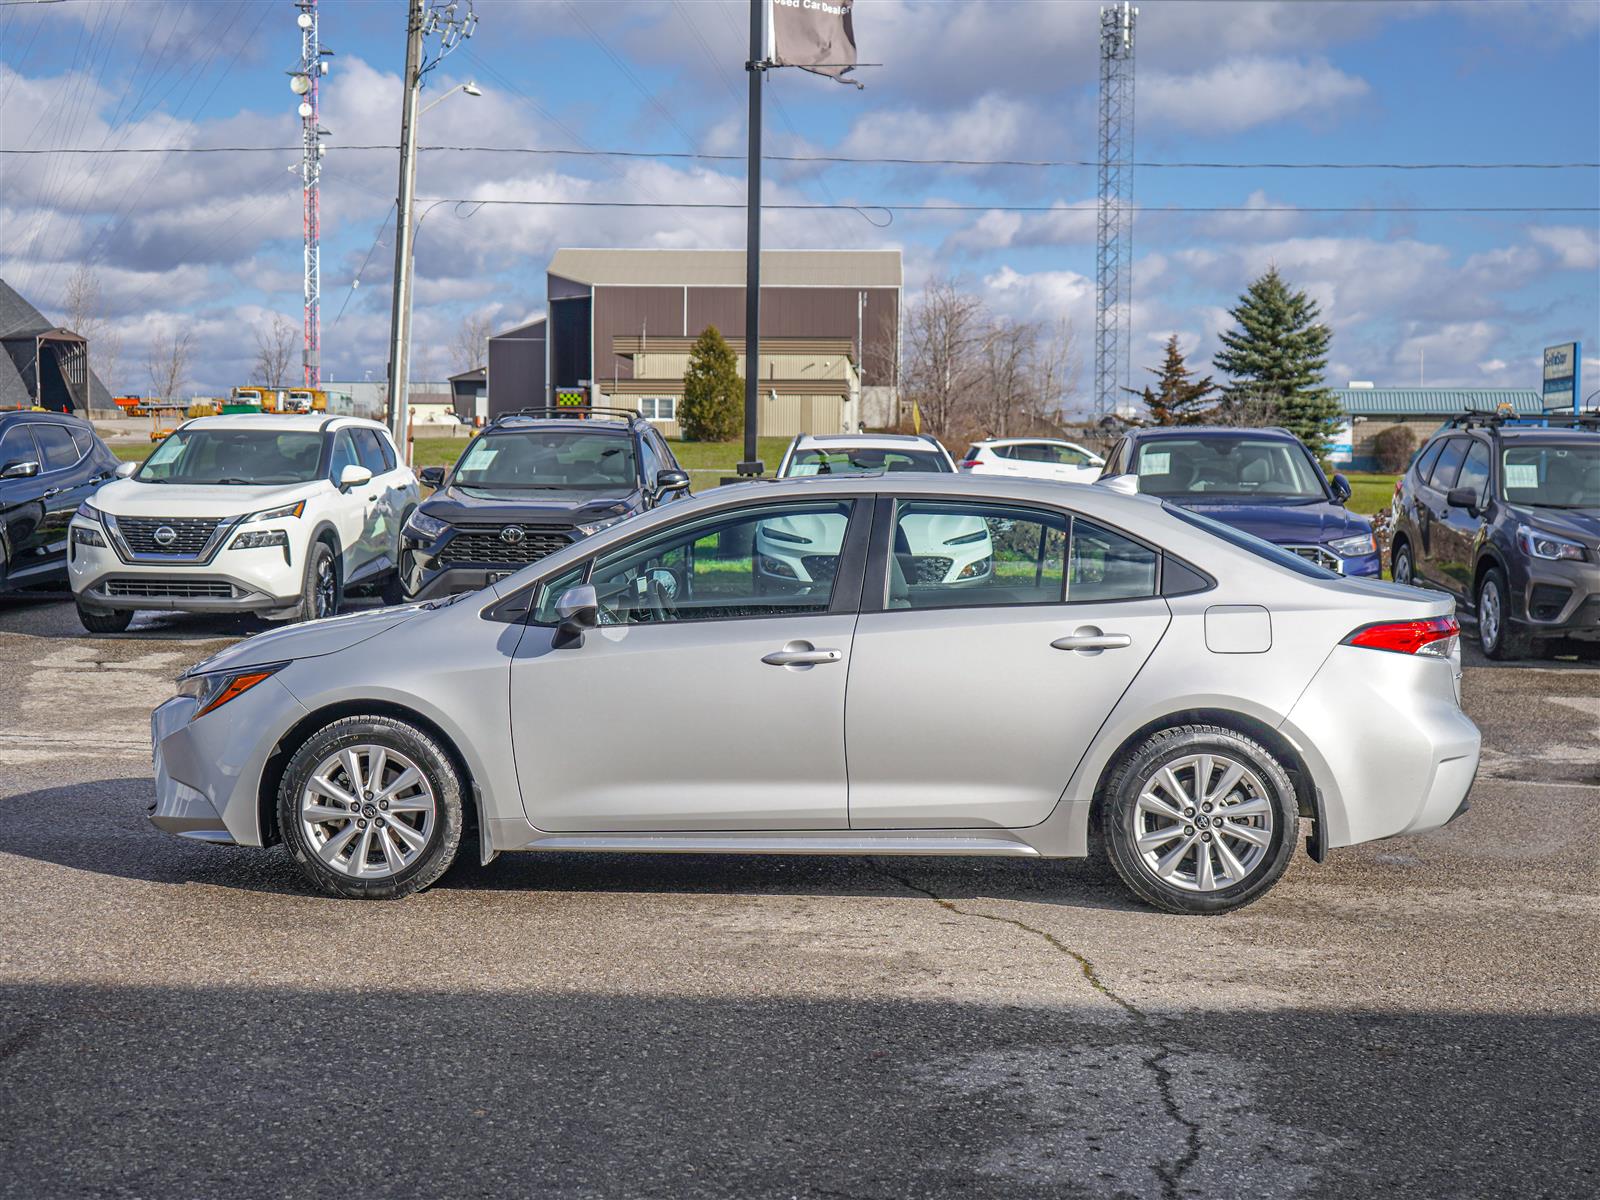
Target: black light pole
752	245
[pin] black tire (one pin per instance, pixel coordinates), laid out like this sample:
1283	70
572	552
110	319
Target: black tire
1120	817
394	590
1402	564
320	590
443	836
1497	636
115	620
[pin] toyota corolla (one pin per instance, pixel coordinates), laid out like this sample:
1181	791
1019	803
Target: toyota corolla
1129	679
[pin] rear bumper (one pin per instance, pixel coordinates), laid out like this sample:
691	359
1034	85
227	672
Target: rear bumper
1387	742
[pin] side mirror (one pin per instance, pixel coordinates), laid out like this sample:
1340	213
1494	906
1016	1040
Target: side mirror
432	477
353	477
1341	488
126	470
1463	497
20	470
579	610
672	481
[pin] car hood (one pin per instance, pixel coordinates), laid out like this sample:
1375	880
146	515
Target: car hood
1298	524
311	639
1583	524
465	504
130	498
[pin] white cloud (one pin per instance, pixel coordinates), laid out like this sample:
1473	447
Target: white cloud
1244	92
1575	247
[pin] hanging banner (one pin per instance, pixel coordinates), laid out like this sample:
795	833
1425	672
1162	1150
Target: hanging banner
814	35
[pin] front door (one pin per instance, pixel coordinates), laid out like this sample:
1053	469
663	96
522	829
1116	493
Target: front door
1433	514
976	689
23	532
1455	537
702	701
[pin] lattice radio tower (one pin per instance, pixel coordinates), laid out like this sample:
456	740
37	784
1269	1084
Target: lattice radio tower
305	80
1114	247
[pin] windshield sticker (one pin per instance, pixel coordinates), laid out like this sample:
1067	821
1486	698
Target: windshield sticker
809	468
1155	463
482	458
1522	475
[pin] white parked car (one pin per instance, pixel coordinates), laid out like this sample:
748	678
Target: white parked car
1033	458
933	547
270	514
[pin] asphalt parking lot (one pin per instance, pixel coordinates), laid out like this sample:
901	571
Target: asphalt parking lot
1419	1016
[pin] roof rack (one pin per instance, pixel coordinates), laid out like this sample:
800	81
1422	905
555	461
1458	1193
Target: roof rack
1548	419
579	411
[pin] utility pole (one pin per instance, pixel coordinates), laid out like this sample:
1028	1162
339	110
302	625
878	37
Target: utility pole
757	67
305	83
1114	244
400	316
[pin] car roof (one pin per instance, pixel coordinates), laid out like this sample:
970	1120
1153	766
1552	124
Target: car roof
544	424
868	441
1212	431
32	414
1026	441
305	422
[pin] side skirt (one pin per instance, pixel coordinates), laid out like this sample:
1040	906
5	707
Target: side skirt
959	842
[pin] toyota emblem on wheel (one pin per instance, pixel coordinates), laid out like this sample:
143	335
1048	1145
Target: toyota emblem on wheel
513	535
166	535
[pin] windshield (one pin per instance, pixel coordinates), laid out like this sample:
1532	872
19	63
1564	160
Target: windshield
235	456
858	460
1552	474
529	458
1227	466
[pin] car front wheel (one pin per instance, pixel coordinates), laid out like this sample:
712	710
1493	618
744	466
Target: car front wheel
95	620
1402	569
1496	635
1199	819
371	808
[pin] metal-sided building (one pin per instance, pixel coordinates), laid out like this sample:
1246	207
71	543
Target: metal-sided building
1371	410
620	324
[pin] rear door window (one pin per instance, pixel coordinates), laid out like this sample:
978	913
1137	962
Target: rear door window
56	444
1105	565
1444	471
1475	471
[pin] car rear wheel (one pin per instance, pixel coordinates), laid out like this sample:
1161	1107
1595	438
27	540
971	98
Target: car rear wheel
1403	570
371	808
96	620
1199	819
1496	635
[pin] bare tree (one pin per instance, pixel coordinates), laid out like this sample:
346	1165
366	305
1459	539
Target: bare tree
944	338
274	352
1055	368
471	343
1005	391
84	314
168	364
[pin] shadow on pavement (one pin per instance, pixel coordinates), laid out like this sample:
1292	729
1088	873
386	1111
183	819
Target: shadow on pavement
316	1091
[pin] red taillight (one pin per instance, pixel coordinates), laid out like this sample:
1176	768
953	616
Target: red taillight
970	463
1435	636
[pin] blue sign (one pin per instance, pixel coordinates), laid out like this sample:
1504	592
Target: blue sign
1562	367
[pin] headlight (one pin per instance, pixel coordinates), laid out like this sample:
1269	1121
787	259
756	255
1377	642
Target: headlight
975	570
88	512
87	537
776	566
1547	545
213	689
594	527
296	509
423	528
254	539
1352	547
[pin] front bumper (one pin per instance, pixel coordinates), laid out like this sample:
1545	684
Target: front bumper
207	770
428	573
259	580
1560	599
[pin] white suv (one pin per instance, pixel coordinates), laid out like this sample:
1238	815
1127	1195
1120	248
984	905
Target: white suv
1033	458
269	514
931	547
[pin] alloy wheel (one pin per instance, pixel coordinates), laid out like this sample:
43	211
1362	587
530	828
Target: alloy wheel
368	811
1490	614
1402	567
1203	822
325	587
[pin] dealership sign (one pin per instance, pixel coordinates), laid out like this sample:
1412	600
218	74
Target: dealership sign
814	35
1561	371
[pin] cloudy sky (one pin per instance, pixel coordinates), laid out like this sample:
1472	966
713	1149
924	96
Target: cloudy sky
212	241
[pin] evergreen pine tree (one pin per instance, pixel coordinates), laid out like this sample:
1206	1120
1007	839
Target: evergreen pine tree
1179	399
713	394
1275	359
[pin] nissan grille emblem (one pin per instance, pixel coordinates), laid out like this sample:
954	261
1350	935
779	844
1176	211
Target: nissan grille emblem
166	535
513	535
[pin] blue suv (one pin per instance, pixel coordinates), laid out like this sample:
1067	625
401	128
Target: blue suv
1261	481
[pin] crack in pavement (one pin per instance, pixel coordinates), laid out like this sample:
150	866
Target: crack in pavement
1170	1174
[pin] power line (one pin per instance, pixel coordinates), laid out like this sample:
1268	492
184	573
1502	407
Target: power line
892	207
848	159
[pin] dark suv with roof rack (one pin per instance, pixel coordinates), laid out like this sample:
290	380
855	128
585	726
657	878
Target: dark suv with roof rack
531	483
1505	514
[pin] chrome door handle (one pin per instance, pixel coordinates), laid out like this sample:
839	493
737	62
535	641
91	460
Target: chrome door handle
1092	640
51	492
801	654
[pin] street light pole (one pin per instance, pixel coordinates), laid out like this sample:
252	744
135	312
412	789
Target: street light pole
400	317
757	67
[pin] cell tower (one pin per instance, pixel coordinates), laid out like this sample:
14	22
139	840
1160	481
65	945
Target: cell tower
1114	248
305	80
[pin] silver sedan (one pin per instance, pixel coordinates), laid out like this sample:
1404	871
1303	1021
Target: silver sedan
1119	677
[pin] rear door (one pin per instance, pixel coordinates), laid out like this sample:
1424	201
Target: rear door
21	506
973	695
66	485
1433	512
